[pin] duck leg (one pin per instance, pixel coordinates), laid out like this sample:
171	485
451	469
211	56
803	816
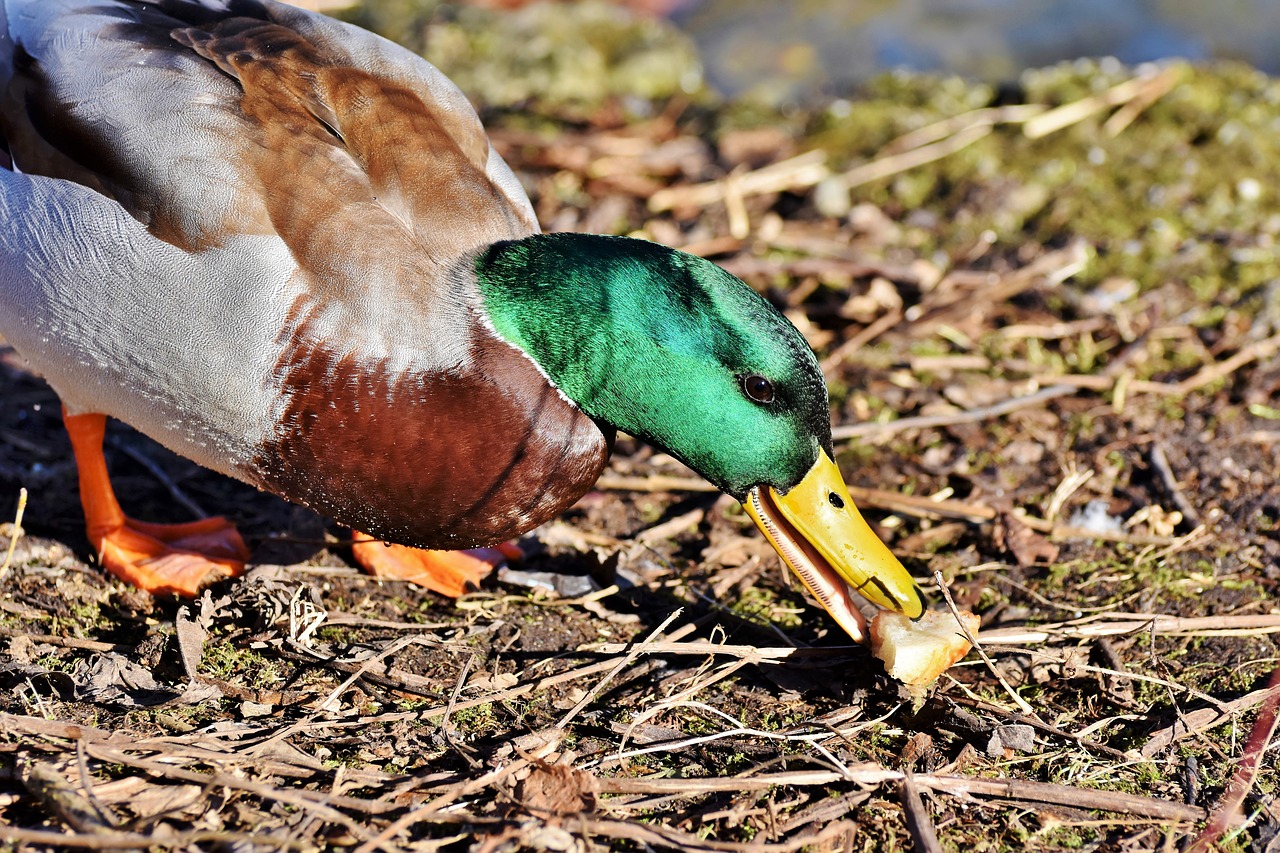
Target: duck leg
450	573
157	558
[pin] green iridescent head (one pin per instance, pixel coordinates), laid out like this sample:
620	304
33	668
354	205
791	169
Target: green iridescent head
667	347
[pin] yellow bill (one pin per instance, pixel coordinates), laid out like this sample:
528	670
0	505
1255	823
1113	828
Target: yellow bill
823	538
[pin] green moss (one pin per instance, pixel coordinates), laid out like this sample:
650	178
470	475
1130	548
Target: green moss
651	512
1063	838
761	603
340	636
478	719
179	719
405	22
1186	192
229	662
55	662
572	57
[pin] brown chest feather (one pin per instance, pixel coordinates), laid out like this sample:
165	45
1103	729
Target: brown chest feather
442	461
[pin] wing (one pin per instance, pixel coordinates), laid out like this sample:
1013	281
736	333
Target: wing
210	118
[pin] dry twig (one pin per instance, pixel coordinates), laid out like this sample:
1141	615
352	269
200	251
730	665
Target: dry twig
1147	87
919	824
874	775
1228	810
632	653
1115	624
15	531
879	430
977	647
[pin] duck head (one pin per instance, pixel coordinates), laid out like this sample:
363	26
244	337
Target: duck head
673	350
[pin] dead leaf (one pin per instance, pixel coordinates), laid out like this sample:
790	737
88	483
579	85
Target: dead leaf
156	799
113	679
1118	688
47	784
1026	546
920	745
557	789
191	636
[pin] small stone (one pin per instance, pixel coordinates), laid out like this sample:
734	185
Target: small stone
1095	517
831	198
1249	189
1006	740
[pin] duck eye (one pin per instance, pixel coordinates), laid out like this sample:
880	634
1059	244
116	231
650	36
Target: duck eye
758	388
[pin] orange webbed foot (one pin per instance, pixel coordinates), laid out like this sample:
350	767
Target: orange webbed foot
171	558
450	573
157	558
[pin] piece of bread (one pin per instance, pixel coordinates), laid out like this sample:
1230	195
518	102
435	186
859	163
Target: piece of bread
916	653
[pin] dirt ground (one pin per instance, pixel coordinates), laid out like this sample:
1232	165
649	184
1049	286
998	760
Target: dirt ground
1086	458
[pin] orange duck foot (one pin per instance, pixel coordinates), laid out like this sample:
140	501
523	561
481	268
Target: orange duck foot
156	558
171	558
450	573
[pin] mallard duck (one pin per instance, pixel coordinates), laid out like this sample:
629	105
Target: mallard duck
284	248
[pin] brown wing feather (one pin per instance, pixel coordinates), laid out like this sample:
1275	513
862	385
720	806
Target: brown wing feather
204	126
349	149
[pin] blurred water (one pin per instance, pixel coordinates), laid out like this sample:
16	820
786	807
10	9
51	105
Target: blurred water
784	48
